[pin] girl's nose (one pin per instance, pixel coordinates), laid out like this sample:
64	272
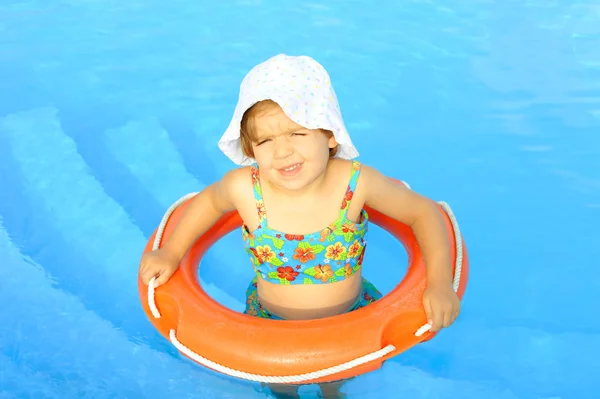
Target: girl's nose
283	147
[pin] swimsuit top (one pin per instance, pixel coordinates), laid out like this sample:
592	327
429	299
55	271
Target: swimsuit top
326	256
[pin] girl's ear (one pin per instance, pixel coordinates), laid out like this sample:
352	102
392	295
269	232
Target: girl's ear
331	142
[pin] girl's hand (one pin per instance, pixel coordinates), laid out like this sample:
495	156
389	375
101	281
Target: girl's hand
442	306
160	264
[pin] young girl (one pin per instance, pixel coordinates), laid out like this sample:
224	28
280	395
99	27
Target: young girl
301	198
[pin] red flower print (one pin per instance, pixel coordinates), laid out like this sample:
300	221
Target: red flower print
287	273
292	237
362	255
348	197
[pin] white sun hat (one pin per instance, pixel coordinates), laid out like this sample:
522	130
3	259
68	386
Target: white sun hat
302	88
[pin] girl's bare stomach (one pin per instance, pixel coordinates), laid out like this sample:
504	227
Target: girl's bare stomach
309	301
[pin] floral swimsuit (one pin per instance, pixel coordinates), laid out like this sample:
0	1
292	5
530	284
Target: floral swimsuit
332	254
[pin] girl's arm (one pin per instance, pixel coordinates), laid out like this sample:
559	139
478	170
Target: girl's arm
204	211
424	217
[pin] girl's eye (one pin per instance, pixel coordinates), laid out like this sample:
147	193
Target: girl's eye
262	142
298	134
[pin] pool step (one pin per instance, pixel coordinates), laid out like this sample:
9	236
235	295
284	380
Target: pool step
145	148
52	345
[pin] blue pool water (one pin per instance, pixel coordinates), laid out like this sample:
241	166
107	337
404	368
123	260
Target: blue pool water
111	110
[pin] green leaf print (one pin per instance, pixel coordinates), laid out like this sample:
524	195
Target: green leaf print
314	248
283	281
307	280
275	261
332	279
348	236
318	248
359	252
330	237
303	245
277	242
311	272
356	267
341	272
273	275
343	256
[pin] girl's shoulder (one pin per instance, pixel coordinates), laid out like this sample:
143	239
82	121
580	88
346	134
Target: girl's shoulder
346	169
237	183
340	168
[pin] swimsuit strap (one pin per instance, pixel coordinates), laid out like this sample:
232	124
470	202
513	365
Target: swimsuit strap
258	197
350	190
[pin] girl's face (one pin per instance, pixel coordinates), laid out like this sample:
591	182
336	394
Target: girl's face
290	156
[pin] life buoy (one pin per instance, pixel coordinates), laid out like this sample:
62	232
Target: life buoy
293	351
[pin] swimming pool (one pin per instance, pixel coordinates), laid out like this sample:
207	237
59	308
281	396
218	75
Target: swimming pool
110	111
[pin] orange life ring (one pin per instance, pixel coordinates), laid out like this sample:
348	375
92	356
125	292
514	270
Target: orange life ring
263	350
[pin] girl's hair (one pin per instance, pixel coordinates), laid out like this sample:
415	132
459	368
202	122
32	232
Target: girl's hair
248	131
